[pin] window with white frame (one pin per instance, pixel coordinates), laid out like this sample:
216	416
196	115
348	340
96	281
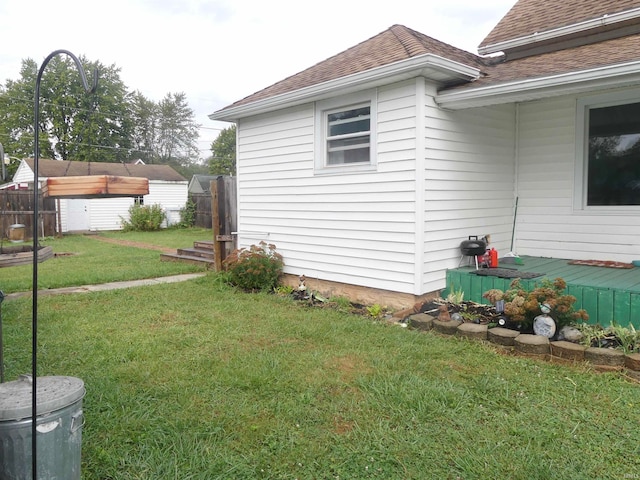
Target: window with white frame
345	134
348	135
611	153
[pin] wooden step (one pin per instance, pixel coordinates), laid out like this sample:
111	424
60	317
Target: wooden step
203	245
196	252
174	257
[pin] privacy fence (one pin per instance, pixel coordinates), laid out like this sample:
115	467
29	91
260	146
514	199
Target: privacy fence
17	209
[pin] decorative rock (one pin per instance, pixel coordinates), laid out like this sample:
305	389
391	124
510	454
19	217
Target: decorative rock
607	357
632	361
421	321
473	331
448	328
568	350
532	344
502	336
570	334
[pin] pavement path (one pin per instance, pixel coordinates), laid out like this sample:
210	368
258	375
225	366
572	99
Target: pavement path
111	285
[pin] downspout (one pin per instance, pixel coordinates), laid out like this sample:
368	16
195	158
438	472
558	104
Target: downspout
516	169
420	214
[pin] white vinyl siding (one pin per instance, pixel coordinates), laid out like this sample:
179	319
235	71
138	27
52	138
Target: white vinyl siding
355	228
548	223
469	183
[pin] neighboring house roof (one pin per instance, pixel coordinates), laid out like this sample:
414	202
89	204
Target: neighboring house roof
201	183
63	168
395	44
532	17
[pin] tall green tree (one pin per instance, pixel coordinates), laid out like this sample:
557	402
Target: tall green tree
145	115
177	139
223	149
73	125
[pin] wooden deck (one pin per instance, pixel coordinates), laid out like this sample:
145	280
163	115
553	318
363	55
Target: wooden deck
607	294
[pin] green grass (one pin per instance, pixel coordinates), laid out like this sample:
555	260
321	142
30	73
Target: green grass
87	261
198	381
170	237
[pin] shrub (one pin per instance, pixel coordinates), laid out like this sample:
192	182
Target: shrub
523	306
144	218
188	215
255	268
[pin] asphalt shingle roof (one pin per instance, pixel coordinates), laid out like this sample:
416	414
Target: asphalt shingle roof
63	168
527	17
400	43
393	45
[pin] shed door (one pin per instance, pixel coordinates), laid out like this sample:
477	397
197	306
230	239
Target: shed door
78	214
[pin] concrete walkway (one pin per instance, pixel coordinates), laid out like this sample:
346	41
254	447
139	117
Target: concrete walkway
112	285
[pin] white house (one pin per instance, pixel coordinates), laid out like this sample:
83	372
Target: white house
371	167
166	188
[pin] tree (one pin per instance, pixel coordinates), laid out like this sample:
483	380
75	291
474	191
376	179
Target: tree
144	114
223	148
177	139
73	125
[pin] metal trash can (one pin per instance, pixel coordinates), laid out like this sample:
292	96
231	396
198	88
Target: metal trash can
59	428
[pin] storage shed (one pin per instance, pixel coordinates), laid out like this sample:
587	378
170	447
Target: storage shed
166	187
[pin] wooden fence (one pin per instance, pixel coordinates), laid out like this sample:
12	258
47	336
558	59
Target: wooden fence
223	219
17	209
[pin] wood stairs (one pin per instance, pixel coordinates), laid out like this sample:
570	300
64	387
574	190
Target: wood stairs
200	254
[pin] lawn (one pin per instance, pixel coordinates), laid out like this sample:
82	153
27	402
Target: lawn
84	260
198	381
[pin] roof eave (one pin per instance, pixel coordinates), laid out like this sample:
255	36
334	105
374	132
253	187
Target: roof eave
556	33
428	65
622	75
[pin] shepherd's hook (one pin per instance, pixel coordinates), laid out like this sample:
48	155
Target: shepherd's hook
36	157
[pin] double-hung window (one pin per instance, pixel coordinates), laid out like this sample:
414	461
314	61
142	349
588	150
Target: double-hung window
610	150
345	134
348	135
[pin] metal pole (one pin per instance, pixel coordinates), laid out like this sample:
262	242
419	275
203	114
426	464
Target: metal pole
1	341
34	285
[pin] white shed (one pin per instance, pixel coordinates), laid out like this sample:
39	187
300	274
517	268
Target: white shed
167	188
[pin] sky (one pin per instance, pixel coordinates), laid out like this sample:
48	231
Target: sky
219	51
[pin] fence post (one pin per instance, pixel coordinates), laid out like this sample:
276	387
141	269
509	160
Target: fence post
215	225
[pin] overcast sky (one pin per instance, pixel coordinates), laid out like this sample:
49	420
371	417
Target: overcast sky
219	51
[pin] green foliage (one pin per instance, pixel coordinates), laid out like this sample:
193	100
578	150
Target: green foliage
626	339
188	215
522	305
144	218
255	268
110	125
375	311
73	125
455	296
177	132
223	149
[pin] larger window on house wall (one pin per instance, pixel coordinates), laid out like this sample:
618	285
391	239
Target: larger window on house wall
612	154
345	134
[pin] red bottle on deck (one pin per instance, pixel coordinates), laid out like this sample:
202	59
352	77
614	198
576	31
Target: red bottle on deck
493	258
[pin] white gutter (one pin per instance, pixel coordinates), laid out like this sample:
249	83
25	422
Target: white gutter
373	77
530	89
607	19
